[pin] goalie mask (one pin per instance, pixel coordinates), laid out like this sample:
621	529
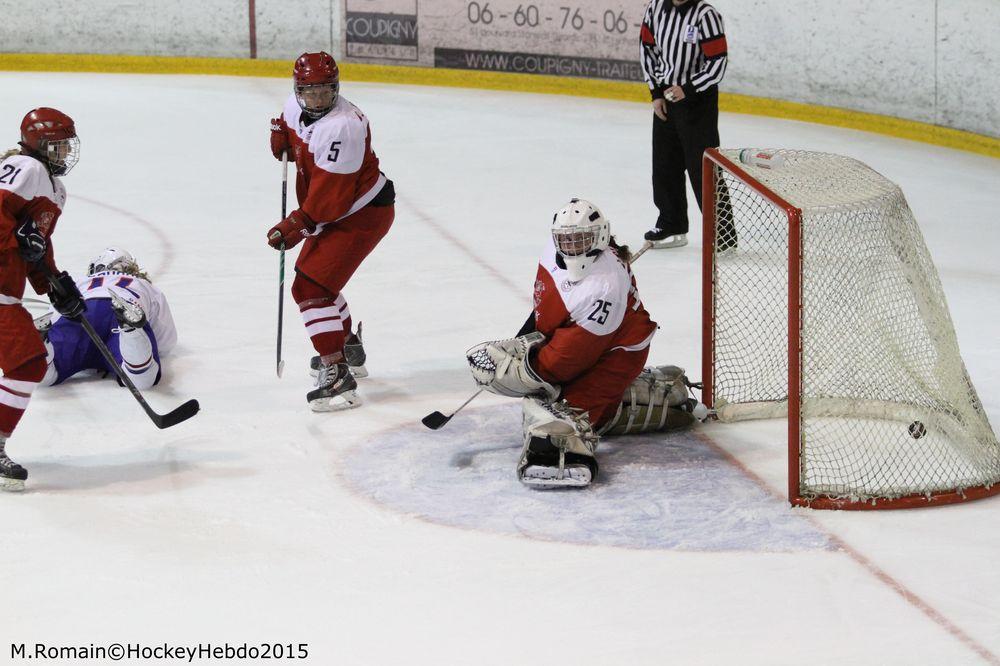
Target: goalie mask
580	233
113	259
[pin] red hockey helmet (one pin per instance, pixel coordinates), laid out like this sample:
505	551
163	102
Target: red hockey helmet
317	83
51	135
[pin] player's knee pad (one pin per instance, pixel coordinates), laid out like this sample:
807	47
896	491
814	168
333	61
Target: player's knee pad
306	290
657	400
32	371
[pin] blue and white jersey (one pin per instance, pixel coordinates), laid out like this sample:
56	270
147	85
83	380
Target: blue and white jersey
137	290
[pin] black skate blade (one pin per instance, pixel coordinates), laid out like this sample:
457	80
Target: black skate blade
435	420
182	413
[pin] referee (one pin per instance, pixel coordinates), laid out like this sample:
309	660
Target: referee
683	59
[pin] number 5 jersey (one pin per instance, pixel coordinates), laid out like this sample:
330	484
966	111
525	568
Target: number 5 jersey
337	170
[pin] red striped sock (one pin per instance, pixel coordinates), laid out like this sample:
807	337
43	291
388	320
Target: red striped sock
15	392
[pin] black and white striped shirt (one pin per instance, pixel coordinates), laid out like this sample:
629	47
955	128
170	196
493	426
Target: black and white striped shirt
682	46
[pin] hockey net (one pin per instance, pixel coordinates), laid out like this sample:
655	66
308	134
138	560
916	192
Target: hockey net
847	335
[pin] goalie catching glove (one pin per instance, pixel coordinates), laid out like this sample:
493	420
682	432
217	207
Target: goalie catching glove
503	367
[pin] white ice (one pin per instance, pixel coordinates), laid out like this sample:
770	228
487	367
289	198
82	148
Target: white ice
379	542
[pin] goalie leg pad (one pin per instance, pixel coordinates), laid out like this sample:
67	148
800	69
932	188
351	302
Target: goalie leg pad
559	445
503	367
658	400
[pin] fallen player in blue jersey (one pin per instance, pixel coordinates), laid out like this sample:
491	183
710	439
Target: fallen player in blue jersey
129	314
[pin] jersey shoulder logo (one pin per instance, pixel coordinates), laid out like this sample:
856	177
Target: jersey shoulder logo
539	290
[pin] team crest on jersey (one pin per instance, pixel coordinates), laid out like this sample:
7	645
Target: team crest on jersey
566	285
691	35
539	290
44	222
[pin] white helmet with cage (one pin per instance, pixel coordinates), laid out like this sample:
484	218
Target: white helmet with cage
112	259
580	233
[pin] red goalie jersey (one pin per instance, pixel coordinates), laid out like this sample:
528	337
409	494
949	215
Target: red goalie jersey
582	321
338	173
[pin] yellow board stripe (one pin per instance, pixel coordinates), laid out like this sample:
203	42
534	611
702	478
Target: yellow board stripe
553	85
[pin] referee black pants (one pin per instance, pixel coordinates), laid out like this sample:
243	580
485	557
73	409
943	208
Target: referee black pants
692	125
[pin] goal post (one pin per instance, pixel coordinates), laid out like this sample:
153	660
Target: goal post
821	305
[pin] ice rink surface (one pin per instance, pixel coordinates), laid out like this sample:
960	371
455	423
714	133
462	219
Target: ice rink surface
379	542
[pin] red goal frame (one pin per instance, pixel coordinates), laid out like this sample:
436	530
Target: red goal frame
713	159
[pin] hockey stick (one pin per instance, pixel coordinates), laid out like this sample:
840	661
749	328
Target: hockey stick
182	413
642	251
436	420
281	260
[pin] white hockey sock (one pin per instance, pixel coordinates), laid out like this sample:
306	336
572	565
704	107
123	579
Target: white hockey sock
137	357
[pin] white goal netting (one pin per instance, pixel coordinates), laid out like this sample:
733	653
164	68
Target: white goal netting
887	407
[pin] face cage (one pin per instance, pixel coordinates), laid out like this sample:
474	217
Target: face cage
62	155
317	111
575	241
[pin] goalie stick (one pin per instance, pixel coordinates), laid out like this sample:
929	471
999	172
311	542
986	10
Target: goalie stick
437	420
182	413
642	251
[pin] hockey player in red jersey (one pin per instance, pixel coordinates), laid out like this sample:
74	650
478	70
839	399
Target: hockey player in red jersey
345	208
31	201
579	359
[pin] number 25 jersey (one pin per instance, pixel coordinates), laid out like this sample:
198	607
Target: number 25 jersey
583	320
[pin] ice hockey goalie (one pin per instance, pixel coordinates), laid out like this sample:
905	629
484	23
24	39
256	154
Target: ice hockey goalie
578	363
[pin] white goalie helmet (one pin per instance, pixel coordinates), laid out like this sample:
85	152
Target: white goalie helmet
580	233
112	259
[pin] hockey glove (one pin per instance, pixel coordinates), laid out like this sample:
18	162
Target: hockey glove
30	241
279	138
65	297
290	231
503	367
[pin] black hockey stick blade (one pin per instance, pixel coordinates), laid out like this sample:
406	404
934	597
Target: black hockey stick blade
182	413
435	420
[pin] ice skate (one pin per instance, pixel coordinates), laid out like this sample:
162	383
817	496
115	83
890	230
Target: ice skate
12	475
336	389
354	354
129	315
662	239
